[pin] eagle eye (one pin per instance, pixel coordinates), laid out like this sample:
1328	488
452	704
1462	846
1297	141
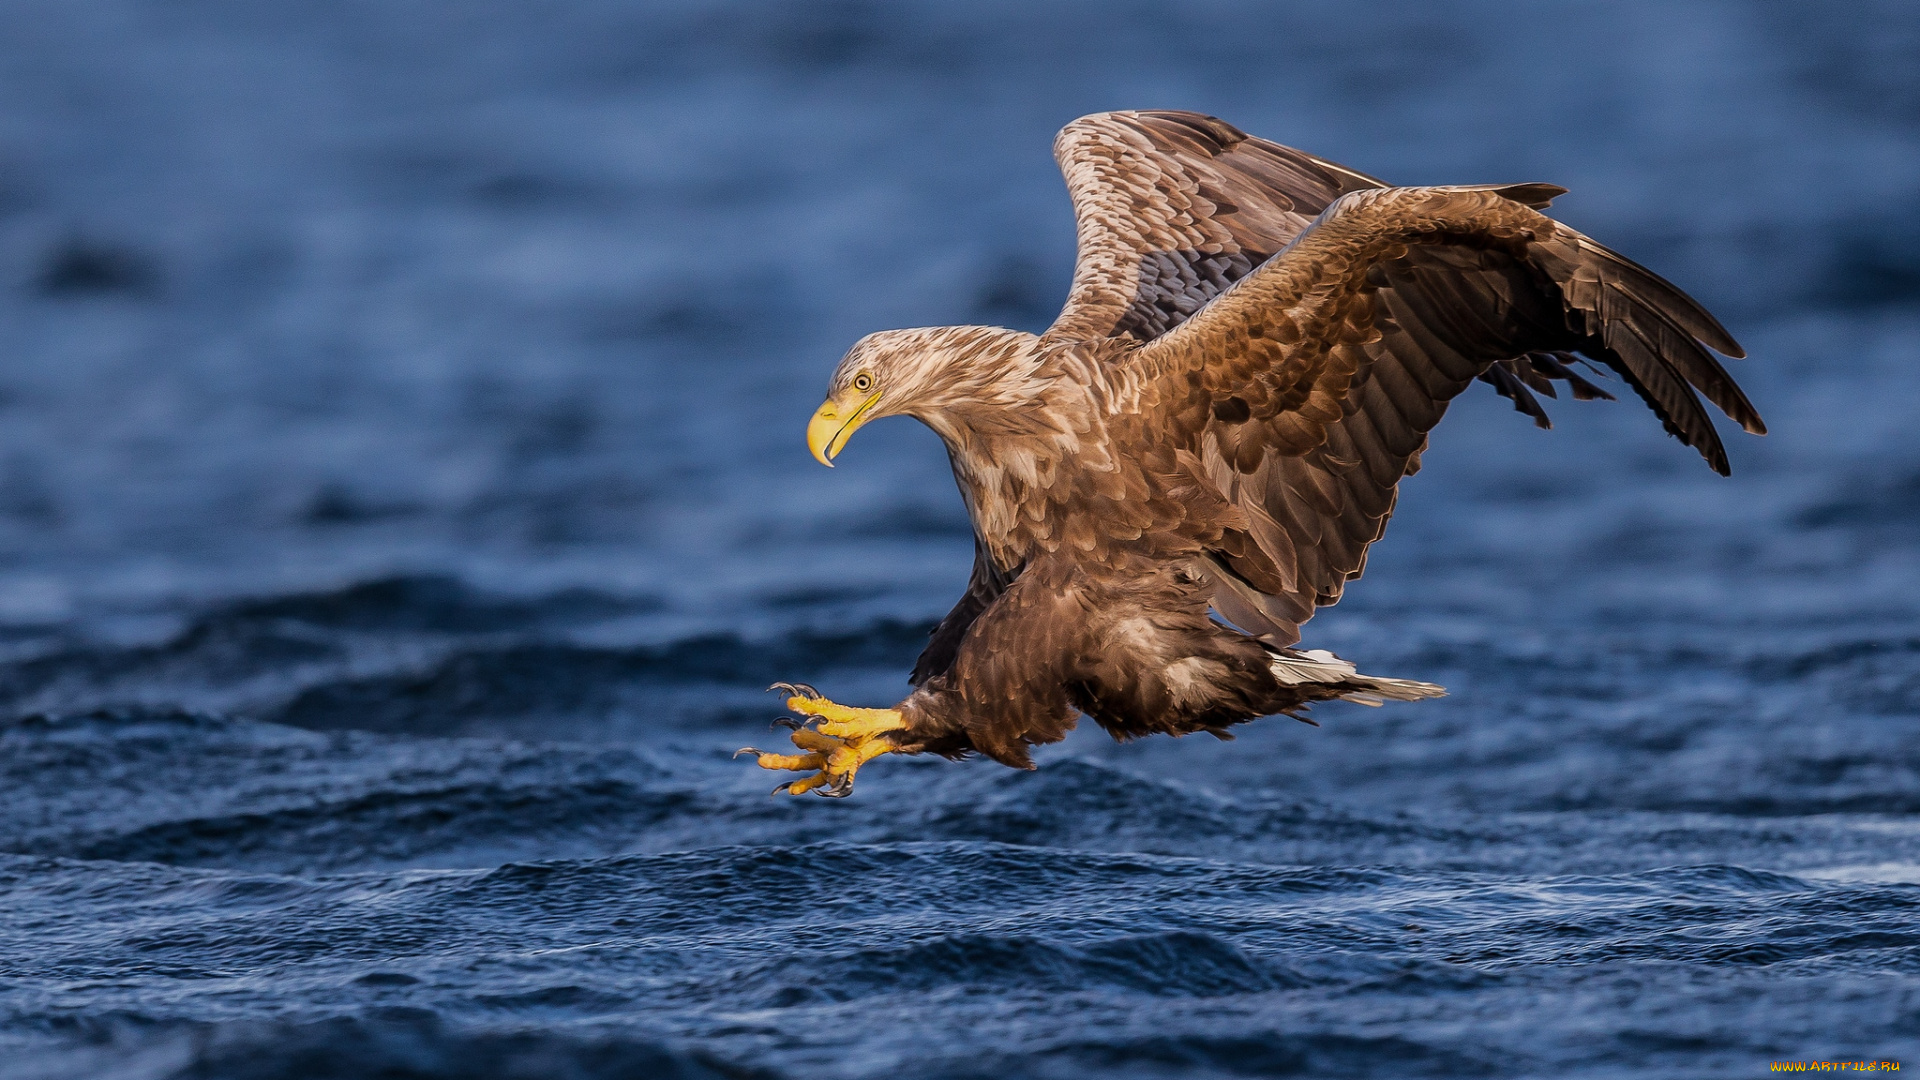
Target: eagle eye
863	382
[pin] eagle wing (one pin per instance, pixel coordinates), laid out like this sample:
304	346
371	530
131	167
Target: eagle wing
1172	208
1306	391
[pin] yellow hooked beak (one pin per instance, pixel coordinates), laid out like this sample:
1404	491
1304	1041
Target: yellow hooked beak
834	424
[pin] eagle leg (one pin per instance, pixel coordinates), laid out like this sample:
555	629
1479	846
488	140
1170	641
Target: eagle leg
836	759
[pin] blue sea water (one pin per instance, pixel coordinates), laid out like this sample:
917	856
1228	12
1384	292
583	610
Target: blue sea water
403	505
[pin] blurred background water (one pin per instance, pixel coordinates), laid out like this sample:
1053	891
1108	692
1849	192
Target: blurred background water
403	503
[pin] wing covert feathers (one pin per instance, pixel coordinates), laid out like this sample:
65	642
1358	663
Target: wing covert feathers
1172	208
1313	380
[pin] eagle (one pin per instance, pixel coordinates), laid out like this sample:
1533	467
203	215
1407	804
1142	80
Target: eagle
1196	455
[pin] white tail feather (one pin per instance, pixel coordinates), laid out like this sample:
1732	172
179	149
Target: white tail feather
1296	666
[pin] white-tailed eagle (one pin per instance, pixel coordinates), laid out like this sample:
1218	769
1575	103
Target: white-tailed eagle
1167	482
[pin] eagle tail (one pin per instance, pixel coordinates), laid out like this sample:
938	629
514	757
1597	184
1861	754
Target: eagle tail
1297	667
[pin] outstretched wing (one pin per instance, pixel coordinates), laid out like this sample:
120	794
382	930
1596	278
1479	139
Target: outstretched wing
1310	386
1172	208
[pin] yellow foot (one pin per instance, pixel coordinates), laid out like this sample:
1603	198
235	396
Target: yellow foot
846	739
840	721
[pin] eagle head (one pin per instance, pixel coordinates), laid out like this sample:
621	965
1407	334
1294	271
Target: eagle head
937	375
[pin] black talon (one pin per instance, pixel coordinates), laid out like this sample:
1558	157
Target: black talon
787	722
794	689
839	789
747	750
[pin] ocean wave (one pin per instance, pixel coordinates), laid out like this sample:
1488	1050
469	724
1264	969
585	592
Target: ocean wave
396	1042
760	946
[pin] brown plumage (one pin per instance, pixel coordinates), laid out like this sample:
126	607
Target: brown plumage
1198	453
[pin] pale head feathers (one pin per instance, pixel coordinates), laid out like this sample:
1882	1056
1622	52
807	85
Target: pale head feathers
1011	410
958	380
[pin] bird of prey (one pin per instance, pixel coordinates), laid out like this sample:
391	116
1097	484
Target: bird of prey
1166	483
